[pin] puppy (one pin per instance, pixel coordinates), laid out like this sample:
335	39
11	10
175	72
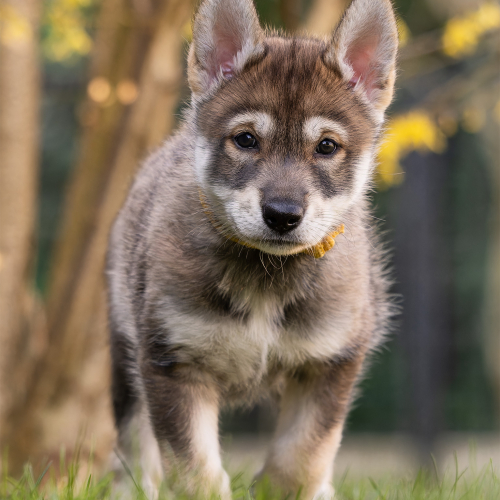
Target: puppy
242	264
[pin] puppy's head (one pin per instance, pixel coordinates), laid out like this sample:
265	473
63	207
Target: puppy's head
286	128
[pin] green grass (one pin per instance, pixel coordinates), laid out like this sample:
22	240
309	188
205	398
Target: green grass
467	484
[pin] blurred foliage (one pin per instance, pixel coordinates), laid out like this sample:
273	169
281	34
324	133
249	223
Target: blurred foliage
419	130
65	29
462	34
403	32
414	131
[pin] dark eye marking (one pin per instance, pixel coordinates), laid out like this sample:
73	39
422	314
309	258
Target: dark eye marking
326	147
246	140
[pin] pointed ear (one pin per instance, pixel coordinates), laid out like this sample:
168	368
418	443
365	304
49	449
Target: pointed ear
226	35
363	50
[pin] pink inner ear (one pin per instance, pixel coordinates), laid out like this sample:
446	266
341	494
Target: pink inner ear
225	61
226	51
227	69
360	58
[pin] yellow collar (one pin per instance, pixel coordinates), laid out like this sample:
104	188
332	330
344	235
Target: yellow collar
317	251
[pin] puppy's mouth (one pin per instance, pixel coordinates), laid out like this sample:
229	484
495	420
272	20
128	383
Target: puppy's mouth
276	246
288	245
280	242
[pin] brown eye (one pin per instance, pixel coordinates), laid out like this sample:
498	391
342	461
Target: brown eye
326	147
246	140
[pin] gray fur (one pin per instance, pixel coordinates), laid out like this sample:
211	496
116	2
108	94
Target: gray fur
198	320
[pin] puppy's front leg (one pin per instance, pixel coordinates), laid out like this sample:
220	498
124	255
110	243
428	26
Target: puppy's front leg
313	409
183	404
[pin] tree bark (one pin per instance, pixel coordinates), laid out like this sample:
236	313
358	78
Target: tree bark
492	311
291	14
324	16
20	318
70	395
422	264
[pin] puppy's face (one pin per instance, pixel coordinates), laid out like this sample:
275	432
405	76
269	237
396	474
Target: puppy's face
284	139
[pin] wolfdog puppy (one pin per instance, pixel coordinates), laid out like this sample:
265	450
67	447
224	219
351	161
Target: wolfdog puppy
243	264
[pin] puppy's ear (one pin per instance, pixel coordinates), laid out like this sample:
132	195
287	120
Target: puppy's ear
226	35
363	50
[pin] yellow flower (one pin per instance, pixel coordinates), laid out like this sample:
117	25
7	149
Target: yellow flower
403	32
488	16
414	131
461	34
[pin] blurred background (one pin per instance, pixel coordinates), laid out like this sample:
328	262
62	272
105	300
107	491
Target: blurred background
89	87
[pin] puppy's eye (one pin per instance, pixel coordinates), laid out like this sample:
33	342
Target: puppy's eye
326	147
246	140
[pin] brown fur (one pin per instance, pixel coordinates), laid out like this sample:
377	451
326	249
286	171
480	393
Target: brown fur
198	320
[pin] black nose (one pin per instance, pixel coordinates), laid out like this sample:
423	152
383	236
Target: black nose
282	215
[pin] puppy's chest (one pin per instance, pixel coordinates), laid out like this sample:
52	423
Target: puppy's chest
244	348
235	346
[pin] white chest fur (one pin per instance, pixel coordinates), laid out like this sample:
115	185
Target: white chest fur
233	347
240	349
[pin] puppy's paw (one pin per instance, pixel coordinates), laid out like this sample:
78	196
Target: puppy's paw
225	487
326	492
210	486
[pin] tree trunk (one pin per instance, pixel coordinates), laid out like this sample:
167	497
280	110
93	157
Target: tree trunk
492	312
291	14
71	394
324	16
20	338
422	267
